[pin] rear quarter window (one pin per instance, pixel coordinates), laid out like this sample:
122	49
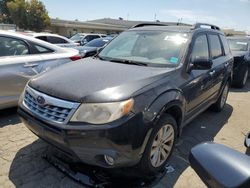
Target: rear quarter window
225	44
215	46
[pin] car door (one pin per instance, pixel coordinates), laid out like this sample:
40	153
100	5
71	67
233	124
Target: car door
17	66
198	81
220	64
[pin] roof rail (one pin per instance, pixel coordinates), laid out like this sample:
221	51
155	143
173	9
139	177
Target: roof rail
199	25
148	24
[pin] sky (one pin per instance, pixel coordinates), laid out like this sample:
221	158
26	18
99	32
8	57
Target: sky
224	13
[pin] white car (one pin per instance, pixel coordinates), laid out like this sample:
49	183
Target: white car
84	38
55	39
22	57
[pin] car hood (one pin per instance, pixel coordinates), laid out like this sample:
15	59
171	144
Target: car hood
239	53
93	80
86	49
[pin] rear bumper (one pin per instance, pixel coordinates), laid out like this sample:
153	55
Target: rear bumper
125	140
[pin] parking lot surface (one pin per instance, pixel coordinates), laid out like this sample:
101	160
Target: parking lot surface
21	164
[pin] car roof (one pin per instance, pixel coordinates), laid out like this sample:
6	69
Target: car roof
186	29
90	34
25	36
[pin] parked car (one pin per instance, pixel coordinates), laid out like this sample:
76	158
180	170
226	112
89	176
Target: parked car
240	47
127	106
55	39
220	166
84	38
92	47
22	57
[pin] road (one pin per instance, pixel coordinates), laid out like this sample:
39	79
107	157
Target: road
21	164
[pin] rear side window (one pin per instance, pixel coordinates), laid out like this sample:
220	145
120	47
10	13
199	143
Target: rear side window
41	50
12	47
225	44
91	37
44	38
200	49
215	46
56	40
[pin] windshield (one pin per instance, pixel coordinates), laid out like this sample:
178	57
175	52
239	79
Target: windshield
238	44
155	48
97	43
77	37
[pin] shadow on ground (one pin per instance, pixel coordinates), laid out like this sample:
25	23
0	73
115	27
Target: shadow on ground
9	117
28	169
204	128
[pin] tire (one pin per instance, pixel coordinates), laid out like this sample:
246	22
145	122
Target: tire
149	165
241	78
220	103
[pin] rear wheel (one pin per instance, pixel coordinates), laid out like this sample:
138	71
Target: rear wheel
241	77
160	146
220	103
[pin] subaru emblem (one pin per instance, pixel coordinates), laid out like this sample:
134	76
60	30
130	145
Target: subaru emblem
40	100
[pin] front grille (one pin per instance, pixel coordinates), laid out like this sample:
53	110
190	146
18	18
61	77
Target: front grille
60	112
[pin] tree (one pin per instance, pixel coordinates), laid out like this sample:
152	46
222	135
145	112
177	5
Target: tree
4	12
37	16
17	11
31	15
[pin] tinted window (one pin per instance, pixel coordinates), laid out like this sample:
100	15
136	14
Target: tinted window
225	44
44	38
91	37
200	49
56	40
215	46
12	47
41	50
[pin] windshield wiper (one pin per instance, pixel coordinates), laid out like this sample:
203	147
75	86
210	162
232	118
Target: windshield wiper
125	61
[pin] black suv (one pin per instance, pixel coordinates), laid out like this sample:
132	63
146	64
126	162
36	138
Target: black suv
127	106
240	47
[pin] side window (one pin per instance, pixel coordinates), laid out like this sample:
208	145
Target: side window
200	48
41	50
44	38
56	40
12	47
215	46
225	44
91	37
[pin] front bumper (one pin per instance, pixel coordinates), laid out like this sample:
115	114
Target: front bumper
123	140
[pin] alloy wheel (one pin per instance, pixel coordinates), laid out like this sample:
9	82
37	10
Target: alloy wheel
162	145
224	96
245	77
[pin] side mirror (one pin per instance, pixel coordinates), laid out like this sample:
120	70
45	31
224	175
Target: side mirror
220	166
201	64
247	140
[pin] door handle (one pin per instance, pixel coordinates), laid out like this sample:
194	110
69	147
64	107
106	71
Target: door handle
31	65
226	64
212	72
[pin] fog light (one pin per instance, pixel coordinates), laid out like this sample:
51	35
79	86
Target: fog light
109	160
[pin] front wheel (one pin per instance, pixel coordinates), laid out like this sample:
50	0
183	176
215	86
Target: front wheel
160	146
220	103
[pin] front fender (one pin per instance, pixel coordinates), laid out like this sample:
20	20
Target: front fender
164	101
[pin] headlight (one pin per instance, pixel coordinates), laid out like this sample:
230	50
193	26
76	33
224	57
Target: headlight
101	113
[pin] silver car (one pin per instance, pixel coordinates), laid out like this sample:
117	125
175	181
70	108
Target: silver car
22	57
55	39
